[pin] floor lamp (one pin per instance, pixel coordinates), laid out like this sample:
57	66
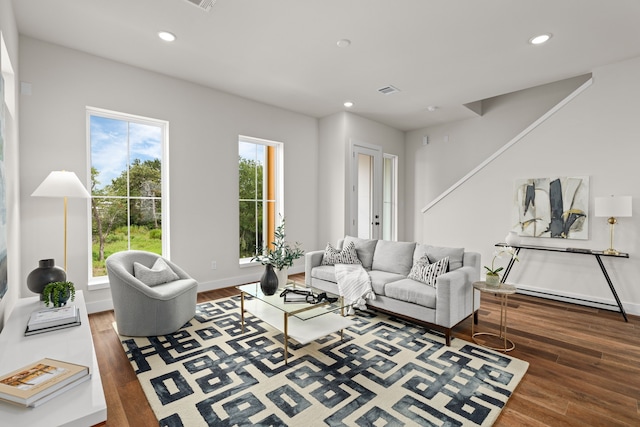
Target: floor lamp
63	184
612	207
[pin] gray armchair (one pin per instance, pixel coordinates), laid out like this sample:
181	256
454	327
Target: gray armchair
143	310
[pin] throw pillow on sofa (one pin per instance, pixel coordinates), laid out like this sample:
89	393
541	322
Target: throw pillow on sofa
347	255
364	248
423	271
158	274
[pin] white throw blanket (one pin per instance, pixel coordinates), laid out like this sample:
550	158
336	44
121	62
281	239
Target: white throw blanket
354	285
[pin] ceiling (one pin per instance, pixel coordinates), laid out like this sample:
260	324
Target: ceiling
284	52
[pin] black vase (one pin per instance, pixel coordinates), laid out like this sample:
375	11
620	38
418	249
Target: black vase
46	273
269	281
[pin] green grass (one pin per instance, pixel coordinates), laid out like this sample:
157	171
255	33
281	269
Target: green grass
142	239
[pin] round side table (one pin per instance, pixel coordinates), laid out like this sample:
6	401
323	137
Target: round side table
503	291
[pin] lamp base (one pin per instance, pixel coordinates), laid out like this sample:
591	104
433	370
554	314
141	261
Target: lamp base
611	251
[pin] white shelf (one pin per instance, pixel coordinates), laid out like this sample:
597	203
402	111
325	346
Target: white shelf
303	331
81	406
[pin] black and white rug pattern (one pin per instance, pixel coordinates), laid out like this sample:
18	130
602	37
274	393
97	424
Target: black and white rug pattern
384	372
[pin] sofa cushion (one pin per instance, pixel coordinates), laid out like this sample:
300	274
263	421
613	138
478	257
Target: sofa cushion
411	291
436	253
424	272
347	255
394	257
379	279
364	249
325	272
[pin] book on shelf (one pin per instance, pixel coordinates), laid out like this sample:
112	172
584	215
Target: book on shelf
51	319
44	318
39	382
29	332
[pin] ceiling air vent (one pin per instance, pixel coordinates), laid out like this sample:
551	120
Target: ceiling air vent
205	5
388	90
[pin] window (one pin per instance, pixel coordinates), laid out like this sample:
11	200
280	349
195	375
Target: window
129	185
260	189
389	197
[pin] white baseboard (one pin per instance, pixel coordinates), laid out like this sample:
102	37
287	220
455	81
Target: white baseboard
98	306
589	301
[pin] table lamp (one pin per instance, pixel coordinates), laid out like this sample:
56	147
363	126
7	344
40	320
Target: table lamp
612	207
62	184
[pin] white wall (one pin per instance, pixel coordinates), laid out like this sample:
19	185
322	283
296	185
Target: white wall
336	134
456	148
9	66
331	182
204	128
596	134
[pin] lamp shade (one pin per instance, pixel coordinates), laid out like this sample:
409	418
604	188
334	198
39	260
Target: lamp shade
61	184
613	206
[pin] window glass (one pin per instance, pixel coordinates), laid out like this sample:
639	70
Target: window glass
258	188
126	185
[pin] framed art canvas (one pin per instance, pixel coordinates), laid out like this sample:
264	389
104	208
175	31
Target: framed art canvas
555	207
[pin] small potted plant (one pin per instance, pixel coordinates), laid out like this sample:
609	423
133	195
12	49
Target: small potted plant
492	277
279	256
58	293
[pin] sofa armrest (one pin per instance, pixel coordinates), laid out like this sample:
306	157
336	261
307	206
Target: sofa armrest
454	296
472	259
311	260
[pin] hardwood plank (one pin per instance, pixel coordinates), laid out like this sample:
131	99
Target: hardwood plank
584	364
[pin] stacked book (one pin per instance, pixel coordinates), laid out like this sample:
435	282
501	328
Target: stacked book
34	384
51	319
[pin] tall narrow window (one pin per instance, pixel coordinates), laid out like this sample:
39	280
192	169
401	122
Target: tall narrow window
128	185
389	197
259	189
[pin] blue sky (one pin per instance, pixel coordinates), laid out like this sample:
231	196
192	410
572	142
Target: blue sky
112	151
251	151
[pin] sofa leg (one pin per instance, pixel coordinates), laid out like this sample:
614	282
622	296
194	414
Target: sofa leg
448	337
475	317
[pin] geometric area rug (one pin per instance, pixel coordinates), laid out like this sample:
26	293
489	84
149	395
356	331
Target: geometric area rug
384	372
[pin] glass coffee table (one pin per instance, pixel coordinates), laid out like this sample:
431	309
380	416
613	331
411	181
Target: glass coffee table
301	321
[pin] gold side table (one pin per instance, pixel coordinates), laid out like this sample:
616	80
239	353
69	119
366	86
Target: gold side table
503	291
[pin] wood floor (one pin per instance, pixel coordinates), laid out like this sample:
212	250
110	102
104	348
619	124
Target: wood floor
584	364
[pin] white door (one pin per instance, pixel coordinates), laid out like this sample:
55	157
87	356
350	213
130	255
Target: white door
366	191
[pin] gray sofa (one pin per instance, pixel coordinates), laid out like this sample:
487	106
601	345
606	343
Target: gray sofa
389	263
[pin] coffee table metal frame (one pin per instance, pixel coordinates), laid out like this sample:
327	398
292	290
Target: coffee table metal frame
503	291
303	322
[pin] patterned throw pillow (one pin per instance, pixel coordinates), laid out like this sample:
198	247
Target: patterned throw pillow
427	273
158	274
347	255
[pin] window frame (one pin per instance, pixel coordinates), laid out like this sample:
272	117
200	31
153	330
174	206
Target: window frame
279	191
102	282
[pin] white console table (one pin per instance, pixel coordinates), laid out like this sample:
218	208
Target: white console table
81	406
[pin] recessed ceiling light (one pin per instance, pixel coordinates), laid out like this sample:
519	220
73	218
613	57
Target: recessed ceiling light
166	36
344	43
348	104
542	38
432	108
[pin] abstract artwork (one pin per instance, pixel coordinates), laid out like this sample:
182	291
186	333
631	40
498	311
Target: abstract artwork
3	200
556	207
